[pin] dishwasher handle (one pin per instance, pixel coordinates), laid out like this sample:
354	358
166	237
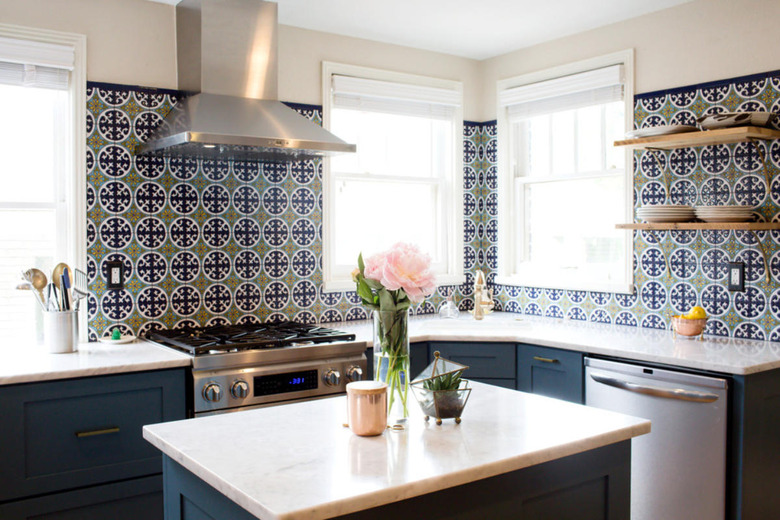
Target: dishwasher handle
678	393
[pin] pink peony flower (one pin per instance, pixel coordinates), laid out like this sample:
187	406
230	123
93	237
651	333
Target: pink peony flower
406	267
374	265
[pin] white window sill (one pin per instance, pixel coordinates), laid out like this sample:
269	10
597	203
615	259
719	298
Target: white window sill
519	281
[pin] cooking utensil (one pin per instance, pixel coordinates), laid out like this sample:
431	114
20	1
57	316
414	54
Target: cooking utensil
27	286
80	290
56	274
65	285
52	305
56	277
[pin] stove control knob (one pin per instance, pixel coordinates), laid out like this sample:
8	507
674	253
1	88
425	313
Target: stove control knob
240	389
212	392
355	373
331	377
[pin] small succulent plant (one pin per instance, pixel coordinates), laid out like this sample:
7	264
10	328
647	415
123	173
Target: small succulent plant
449	381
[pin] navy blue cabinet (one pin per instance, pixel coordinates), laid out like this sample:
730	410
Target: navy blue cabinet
492	363
76	433
551	372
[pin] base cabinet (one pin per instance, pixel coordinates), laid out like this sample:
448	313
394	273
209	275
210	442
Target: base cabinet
550	372
70	445
593	485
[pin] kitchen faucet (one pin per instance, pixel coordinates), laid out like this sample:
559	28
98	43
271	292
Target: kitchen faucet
483	298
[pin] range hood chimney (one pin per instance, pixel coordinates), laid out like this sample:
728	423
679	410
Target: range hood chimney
227	57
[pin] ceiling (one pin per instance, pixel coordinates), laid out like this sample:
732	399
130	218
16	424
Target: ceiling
468	28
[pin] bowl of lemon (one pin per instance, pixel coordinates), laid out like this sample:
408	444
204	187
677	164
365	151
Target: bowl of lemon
691	324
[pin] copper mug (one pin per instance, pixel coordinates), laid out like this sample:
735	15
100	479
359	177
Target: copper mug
367	407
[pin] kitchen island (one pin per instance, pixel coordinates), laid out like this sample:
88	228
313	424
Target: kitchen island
513	451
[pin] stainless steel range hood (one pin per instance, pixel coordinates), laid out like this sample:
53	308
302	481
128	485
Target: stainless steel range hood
227	51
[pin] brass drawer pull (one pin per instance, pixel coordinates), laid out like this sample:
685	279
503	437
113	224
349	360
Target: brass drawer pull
104	431
545	359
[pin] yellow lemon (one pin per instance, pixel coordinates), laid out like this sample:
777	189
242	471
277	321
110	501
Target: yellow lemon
696	313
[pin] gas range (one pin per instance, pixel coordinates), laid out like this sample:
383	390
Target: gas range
237	367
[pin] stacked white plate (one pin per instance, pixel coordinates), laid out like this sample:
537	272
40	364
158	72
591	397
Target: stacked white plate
665	213
725	213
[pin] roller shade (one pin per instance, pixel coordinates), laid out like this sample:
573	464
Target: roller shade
565	93
394	98
35	64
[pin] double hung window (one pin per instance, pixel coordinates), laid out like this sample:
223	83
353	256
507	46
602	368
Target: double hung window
564	186
404	182
42	183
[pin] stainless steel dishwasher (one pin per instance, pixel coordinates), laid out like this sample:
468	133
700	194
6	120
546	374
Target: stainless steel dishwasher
678	471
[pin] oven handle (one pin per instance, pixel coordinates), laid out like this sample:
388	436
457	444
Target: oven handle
676	393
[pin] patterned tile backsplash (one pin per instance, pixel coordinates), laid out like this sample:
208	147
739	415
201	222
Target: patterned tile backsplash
207	242
697	260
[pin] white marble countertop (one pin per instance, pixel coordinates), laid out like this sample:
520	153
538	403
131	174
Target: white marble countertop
297	461
30	363
718	354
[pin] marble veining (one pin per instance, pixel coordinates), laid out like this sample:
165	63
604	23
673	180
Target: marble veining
297	461
720	354
31	363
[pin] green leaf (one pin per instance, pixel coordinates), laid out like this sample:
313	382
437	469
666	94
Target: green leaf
364	291
361	264
403	305
386	302
374	284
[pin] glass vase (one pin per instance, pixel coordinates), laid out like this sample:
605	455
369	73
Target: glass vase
391	360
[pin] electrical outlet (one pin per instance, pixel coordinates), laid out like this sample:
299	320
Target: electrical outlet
736	276
116	275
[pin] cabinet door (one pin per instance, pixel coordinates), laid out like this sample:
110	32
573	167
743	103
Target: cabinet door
492	363
129	500
551	372
60	435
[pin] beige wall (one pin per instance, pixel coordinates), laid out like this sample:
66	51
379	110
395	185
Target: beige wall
705	40
301	53
132	42
128	41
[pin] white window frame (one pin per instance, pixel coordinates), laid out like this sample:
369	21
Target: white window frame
73	192
452	208
509	226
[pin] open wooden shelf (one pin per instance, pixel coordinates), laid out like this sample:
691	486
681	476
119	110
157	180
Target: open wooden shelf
738	134
744	226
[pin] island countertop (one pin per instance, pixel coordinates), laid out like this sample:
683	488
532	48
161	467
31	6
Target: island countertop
298	461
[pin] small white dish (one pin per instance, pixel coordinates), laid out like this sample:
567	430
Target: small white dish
129	338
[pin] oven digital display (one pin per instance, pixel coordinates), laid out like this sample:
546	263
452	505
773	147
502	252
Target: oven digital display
287	382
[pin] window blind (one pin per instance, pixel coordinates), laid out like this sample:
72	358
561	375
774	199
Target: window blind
394	98
35	64
565	93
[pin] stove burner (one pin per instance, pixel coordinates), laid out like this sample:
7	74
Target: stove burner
219	339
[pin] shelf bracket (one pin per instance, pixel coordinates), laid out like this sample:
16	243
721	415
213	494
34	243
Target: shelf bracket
764	256
762	157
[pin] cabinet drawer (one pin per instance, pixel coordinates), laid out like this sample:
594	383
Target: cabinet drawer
65	434
485	360
551	372
127	500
